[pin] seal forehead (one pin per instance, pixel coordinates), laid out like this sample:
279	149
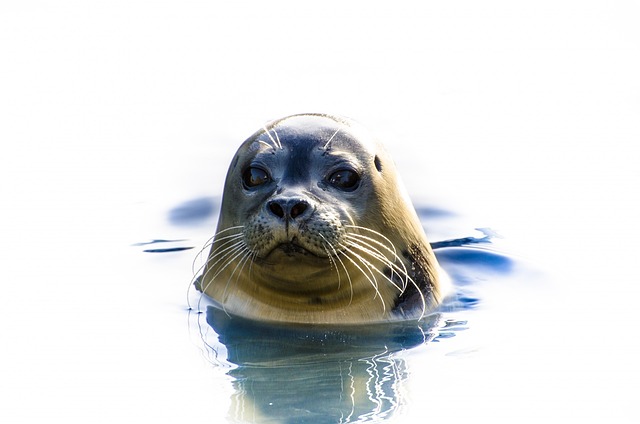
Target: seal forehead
298	143
321	131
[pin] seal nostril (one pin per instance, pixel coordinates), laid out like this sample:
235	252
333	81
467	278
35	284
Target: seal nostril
276	209
298	209
287	208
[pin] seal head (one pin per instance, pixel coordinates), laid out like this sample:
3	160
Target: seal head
315	227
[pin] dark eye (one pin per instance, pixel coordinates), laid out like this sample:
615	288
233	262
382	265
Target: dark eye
254	177
345	179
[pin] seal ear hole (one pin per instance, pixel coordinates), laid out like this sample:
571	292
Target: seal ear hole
376	161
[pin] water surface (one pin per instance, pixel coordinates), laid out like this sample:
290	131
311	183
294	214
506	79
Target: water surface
331	373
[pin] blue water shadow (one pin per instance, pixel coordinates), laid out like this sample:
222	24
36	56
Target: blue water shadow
193	212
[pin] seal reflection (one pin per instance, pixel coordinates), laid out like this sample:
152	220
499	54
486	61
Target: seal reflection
314	373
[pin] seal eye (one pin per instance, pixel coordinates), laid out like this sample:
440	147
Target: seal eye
253	177
344	179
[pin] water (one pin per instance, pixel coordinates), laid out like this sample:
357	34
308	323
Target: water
118	123
329	374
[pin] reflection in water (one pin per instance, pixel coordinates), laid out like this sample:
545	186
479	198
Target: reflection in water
310	373
332	374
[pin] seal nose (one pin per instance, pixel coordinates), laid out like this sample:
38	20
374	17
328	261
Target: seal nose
288	208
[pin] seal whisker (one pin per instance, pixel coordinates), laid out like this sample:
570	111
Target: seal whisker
275	143
211	255
401	271
254	255
223	244
346	271
196	274
393	247
333	263
374	282
423	301
327	145
234	227
369	243
241	263
269	146
277	137
199	254
212	240
331	260
232	250
224	253
208	243
241	250
381	258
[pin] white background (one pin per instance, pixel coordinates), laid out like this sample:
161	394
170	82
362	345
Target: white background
524	114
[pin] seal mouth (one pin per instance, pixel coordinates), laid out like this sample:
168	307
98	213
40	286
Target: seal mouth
292	248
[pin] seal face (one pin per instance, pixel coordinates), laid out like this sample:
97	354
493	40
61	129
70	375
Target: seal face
315	227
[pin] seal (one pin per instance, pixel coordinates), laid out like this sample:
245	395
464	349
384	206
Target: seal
315	227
